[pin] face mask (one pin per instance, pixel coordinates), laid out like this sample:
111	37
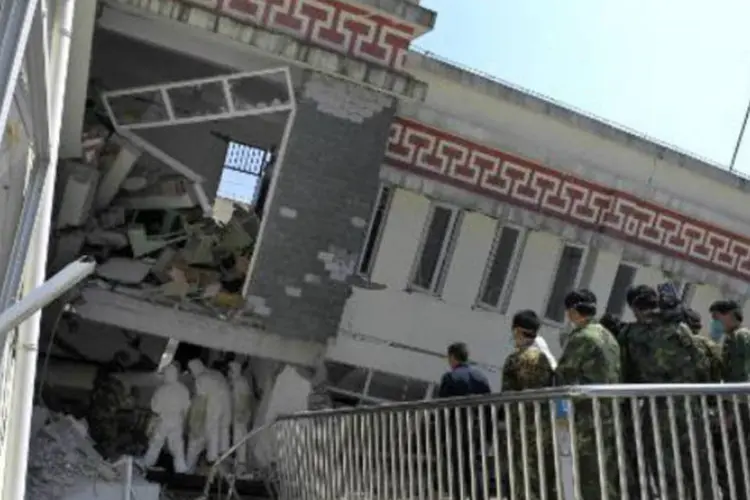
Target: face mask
716	329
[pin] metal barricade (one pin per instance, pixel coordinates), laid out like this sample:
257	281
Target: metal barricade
587	442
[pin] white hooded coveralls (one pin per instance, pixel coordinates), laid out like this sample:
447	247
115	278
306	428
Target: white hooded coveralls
212	389
170	403
241	409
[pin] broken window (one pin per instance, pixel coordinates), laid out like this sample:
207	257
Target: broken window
245	169
376	229
499	275
624	278
566	279
436	246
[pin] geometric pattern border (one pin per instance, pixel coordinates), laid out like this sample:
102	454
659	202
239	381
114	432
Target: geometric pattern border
453	160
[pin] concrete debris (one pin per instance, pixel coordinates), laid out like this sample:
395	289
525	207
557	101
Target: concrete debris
176	256
62	459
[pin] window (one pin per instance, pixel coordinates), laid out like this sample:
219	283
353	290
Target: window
566	279
624	278
436	246
500	270
376	229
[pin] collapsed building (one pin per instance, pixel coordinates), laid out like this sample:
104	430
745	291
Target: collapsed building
396	203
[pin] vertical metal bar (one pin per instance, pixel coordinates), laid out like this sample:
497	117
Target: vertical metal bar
727	452
393	454
127	485
619	445
510	462
402	455
541	466
430	451
711	447
740	431
697	473
658	447
441	451
556	449
496	449
376	470
410	452
524	450
460	452
676	448
483	452
574	449
470	419
600	457
419	458
643	483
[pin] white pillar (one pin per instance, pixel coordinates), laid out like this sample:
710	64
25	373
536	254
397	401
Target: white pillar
27	344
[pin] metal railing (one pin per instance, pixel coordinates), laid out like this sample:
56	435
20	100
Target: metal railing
587	442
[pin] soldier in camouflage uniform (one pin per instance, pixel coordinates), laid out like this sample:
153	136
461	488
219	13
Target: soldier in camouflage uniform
712	372
115	425
528	367
591	356
726	326
660	348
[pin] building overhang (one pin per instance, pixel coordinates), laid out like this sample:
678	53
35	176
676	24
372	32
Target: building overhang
112	308
224	40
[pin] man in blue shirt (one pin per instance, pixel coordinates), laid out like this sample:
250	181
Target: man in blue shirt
462	380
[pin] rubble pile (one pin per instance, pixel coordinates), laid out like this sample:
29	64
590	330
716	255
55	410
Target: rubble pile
62	459
173	256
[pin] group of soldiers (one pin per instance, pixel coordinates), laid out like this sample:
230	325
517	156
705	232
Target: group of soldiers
663	345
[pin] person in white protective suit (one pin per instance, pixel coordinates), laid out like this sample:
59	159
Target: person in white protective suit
170	403
241	411
210	414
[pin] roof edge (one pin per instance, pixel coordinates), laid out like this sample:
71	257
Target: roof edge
495	87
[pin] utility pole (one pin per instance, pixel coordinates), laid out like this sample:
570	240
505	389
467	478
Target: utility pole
739	138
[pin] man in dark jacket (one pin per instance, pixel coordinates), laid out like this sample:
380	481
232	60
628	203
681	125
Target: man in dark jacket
461	380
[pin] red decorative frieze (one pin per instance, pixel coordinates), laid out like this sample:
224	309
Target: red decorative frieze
435	154
337	26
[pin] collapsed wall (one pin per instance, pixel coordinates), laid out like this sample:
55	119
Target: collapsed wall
63	464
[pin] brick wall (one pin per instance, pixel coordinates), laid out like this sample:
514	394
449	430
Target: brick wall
318	213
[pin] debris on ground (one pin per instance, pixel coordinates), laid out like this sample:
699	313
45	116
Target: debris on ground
62	458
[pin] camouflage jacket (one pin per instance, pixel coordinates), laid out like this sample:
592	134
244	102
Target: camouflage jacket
591	356
712	368
736	356
657	351
527	368
108	397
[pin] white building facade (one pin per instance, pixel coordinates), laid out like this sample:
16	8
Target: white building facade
412	203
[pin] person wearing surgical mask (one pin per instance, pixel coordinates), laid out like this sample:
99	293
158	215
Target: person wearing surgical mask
530	366
591	356
726	327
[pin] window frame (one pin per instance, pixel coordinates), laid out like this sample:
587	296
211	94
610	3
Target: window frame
371	237
437	280
513	267
551	282
636	268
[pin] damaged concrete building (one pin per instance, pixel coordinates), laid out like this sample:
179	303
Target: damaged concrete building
395	203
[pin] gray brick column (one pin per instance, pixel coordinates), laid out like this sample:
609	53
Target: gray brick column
318	213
